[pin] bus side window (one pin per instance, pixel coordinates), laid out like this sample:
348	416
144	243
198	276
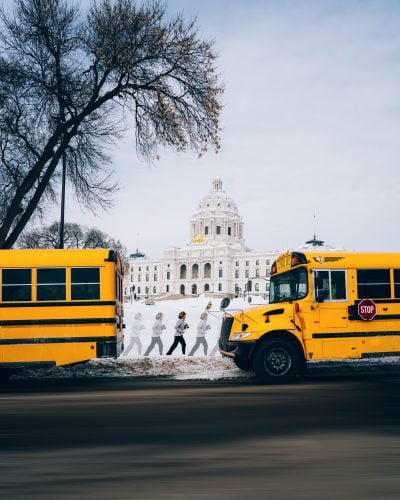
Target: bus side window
338	285
321	281
330	285
85	283
16	285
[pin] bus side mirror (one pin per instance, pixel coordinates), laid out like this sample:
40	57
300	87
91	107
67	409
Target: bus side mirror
224	303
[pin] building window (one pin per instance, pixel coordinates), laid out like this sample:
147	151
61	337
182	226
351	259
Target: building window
206	230
220	273
131	269
183	272
139	278
155	268
246	274
168	275
218	230
155	277
167	265
220	287
257	262
85	283
132	278
147	290
237	273
195	271
247	263
267	272
229	230
140	269
147	277
237	263
206	287
154	289
257	287
257	273
138	290
267	262
147	268
167	288
207	270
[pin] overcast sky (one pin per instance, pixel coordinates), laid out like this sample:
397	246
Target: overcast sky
310	125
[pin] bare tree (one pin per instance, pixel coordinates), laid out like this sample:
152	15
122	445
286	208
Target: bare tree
70	84
76	236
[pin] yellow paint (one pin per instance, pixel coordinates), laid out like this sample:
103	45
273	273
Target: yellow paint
41	350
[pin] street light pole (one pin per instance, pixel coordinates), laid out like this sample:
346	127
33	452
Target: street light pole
61	245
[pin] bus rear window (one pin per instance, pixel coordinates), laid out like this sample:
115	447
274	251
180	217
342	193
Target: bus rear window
373	283
85	283
16	285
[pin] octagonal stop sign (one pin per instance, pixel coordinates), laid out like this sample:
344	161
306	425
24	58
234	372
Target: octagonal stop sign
367	309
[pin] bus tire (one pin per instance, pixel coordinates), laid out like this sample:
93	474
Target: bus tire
244	364
277	361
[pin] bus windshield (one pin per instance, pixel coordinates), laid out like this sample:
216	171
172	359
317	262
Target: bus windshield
288	286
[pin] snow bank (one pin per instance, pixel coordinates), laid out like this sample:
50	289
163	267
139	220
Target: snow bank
171	367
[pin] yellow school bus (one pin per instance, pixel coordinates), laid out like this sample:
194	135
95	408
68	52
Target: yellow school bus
59	307
322	306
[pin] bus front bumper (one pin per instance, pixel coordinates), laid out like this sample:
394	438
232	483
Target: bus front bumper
242	349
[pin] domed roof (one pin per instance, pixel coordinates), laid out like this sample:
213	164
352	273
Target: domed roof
217	201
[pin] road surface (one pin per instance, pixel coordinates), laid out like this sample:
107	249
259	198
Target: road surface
323	437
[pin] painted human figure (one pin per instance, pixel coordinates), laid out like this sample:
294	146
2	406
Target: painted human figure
202	328
158	327
180	328
136	331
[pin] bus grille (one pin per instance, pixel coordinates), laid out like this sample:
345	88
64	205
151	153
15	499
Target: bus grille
225	331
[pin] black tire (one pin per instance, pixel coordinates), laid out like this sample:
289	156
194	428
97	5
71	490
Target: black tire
244	364
277	362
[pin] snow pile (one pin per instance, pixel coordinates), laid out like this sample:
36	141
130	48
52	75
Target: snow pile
171	367
176	366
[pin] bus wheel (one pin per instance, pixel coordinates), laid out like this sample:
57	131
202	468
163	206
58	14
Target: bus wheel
277	362
244	364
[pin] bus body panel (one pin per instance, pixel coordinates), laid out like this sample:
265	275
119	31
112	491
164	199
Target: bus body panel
65	331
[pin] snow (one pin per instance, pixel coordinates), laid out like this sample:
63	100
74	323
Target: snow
177	365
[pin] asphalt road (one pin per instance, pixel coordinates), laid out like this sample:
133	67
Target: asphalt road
320	438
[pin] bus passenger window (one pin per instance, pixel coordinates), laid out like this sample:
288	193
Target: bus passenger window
16	285
51	284
85	283
373	283
397	283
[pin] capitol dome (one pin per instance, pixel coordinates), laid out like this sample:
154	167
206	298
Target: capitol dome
216	217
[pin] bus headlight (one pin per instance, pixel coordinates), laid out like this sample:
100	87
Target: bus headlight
240	336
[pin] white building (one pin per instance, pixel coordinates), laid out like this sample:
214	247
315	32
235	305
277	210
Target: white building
216	261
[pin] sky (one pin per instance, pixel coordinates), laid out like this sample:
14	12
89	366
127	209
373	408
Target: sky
310	139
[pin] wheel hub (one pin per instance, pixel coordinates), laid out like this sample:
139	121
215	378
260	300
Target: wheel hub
278	361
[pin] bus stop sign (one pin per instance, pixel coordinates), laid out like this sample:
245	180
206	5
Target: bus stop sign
367	309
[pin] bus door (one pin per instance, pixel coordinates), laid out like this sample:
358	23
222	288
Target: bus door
331	295
330	313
